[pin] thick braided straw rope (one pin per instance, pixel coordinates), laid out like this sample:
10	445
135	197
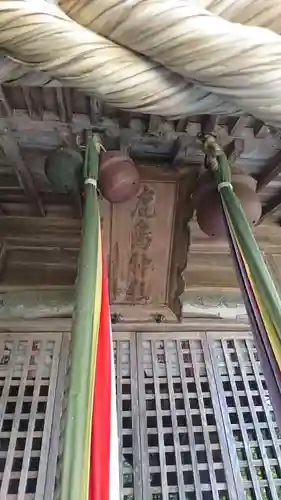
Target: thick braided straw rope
186	60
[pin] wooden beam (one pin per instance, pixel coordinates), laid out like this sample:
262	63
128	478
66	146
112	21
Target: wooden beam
33	101
64	105
68	104
182	125
11	150
260	129
271	206
61	105
154	125
3	255
95	110
236	125
77	203
67	137
5	105
180	150
28	102
208	124
272	169
233	150
37	303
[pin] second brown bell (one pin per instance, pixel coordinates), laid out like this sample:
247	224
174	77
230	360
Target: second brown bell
208	206
119	179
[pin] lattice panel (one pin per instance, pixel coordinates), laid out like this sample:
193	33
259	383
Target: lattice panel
28	376
128	419
183	445
254	436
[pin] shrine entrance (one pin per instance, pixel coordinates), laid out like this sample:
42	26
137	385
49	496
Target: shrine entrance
194	418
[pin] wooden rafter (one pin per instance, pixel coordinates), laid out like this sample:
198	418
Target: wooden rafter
260	129
28	102
49	118
182	125
3	255
154	125
180	148
5	104
64	104
237	124
95	108
271	206
270	172
33	101
208	124
11	150
234	149
61	105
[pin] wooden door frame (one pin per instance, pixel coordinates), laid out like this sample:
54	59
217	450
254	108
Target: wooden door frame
188	325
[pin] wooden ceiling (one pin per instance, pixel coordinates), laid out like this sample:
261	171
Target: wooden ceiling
34	121
146	240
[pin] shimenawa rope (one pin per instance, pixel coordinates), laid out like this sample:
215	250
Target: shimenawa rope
184	59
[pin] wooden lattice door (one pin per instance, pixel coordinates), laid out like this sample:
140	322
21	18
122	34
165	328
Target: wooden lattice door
195	419
183	444
32	368
254	439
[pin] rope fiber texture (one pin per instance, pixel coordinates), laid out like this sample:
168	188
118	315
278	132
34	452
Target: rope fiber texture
168	57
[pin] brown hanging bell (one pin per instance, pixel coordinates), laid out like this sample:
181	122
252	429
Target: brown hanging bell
208	206
119	180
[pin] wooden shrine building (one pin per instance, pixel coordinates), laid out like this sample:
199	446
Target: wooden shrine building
194	417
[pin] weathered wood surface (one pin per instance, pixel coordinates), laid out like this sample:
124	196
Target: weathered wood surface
146	240
35	304
38	261
145	243
29	366
59	303
209	267
40	119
